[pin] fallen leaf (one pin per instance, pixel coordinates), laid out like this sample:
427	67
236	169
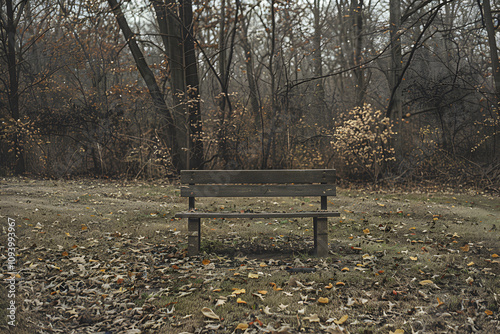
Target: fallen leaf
470	264
184	293
312	318
329	286
397	331
205	262
439	302
258	295
495	255
240	301
345	269
262	292
465	248
282	306
241	326
256	321
210	326
413	258
366	231
65	253
341	320
237	291
425	282
209	313
267	311
323	300
488	312
254	276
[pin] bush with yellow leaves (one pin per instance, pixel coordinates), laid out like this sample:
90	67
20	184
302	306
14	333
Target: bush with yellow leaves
362	142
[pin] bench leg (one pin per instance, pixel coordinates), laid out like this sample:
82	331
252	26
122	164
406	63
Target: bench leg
320	236
194	236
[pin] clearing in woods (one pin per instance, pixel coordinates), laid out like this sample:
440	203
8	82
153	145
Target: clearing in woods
107	257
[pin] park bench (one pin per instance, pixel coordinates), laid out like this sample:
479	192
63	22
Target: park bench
259	183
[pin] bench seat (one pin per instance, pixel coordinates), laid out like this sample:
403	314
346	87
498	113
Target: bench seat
251	215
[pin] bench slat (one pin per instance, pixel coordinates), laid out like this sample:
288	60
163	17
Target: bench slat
319	214
297	190
258	176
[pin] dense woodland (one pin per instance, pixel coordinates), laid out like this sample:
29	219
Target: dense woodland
396	90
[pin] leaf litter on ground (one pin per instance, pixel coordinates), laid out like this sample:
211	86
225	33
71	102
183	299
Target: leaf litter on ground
120	281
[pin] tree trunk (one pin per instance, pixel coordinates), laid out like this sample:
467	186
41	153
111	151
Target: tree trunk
192	87
490	29
13	86
266	146
252	84
319	90
358	72
170	30
222	135
222	48
395	108
150	80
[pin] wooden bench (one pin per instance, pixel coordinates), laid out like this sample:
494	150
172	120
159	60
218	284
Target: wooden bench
258	183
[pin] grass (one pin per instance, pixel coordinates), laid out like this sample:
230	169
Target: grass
389	243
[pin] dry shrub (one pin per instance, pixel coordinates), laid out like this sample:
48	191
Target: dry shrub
362	142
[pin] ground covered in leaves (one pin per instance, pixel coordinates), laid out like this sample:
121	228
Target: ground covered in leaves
107	257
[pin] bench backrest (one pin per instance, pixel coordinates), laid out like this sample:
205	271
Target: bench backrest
258	183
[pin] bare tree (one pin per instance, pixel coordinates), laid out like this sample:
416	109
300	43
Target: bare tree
182	135
9	21
490	29
395	108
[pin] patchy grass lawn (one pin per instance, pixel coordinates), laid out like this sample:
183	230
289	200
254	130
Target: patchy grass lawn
107	257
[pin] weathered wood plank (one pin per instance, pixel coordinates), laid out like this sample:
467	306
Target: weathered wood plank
194	236
321	237
303	214
295	190
258	176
